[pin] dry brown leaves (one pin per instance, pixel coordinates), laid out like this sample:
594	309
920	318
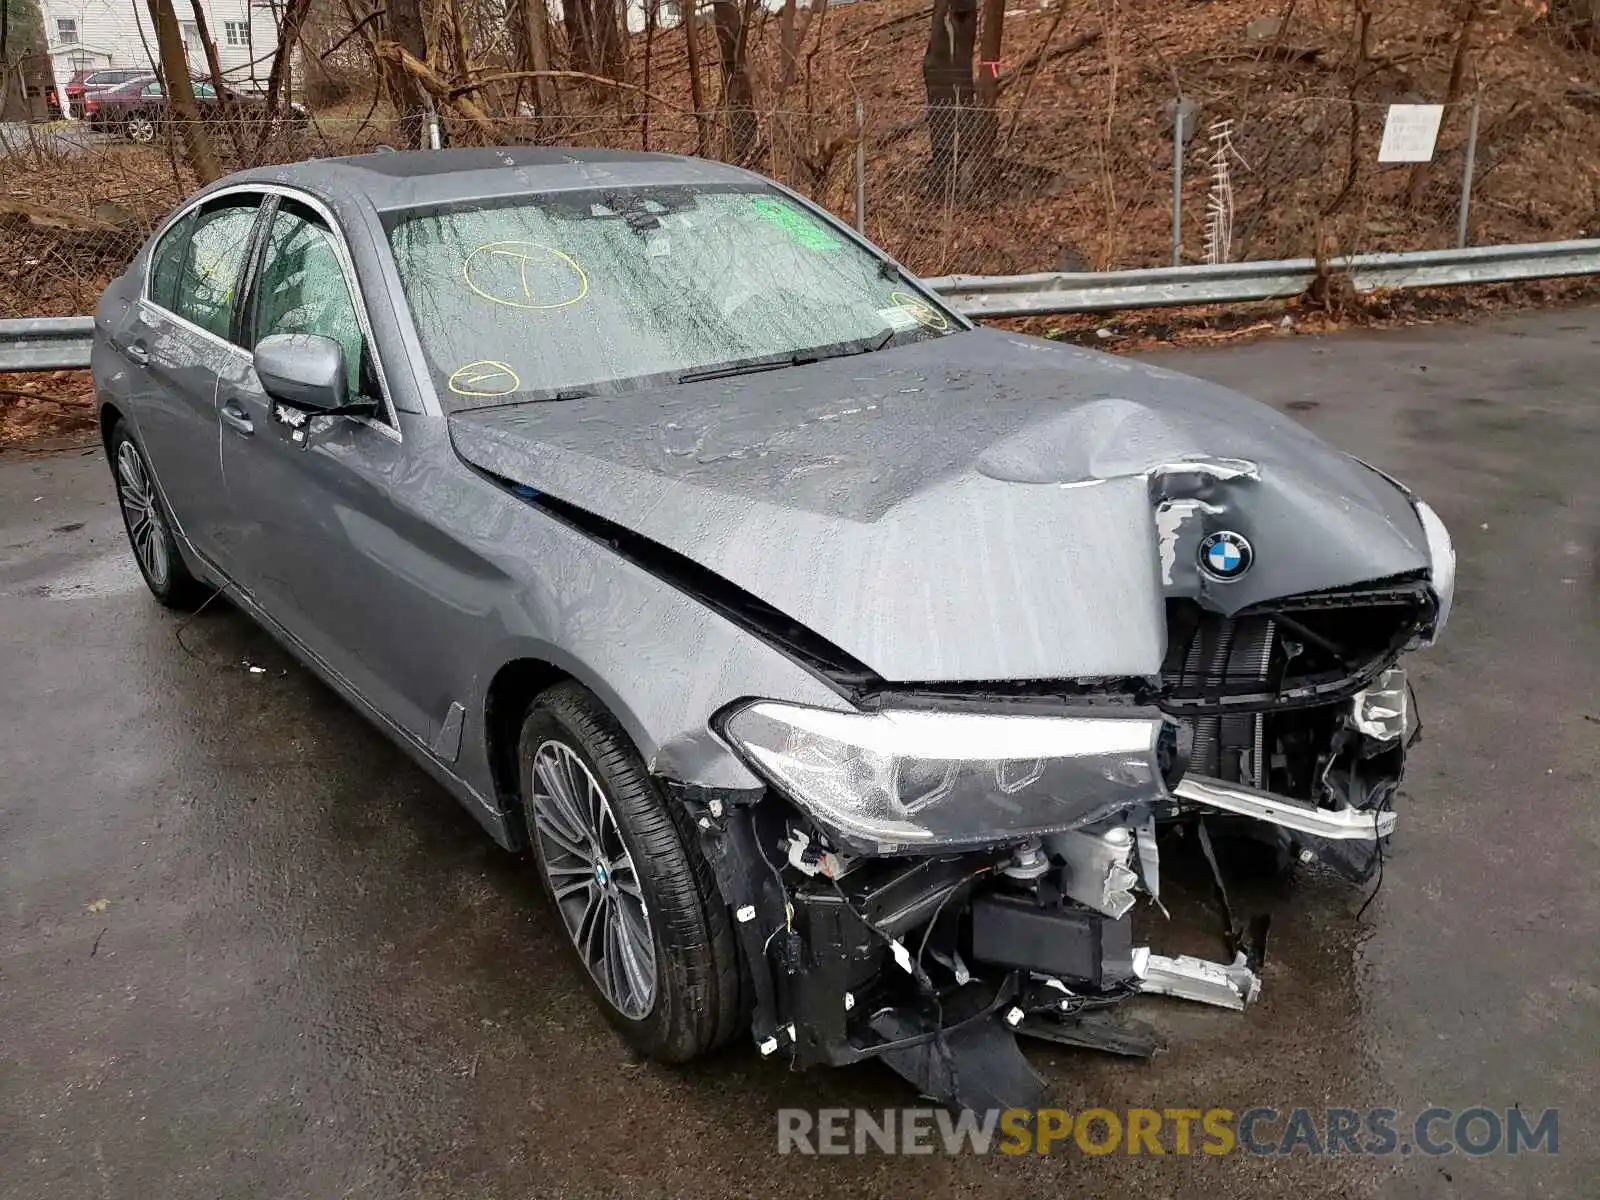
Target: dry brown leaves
46	410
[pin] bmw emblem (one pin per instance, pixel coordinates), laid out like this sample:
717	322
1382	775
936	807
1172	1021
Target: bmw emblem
1225	555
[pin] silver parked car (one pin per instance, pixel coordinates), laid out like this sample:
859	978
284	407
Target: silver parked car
842	665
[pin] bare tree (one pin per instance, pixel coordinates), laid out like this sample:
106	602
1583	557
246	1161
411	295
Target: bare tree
294	17
580	42
651	15
792	33
214	65
697	95
529	22
180	91
990	37
788	40
947	76
738	96
405	28
1467	14
606	21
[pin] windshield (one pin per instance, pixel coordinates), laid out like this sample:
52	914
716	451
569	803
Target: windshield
575	293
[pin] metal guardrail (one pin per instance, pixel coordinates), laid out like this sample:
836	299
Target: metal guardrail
1231	283
45	343
62	343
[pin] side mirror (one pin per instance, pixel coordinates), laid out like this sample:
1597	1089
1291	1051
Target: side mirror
305	371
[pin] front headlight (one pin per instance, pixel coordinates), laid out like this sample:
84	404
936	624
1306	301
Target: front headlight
908	780
1442	557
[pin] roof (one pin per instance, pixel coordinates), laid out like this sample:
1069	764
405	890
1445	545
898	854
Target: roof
406	179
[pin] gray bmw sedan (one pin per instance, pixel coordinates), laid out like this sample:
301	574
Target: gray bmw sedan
842	668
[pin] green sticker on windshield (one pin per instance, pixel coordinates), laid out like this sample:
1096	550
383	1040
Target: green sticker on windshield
798	225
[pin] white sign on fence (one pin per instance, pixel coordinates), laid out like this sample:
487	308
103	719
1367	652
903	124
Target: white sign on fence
1410	132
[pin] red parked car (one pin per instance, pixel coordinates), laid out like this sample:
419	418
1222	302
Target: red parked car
91	82
137	110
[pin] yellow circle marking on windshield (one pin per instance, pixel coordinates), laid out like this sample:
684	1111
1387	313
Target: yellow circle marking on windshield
486	377
509	273
920	311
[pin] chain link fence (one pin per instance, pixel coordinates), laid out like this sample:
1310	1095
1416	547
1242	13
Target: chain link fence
1018	189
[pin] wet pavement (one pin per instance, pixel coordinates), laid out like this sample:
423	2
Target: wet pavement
247	949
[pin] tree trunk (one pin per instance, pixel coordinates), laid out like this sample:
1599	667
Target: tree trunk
947	78
605	23
575	19
294	16
180	91
788	42
530	34
1466	18
697	94
984	123
738	97
406	29
993	31
214	64
791	57
650	13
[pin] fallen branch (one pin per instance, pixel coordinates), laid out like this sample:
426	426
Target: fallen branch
429	79
47	397
461	89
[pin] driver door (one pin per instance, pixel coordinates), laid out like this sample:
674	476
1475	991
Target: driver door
311	503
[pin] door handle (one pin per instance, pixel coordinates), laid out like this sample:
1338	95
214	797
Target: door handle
235	416
137	354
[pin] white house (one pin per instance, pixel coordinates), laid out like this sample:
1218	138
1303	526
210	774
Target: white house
89	34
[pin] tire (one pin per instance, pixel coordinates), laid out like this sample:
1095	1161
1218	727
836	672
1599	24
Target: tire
149	527
694	1002
140	128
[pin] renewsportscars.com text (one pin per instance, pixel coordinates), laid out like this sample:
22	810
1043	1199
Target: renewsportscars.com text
1258	1131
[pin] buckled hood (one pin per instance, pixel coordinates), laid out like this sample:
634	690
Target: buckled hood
982	506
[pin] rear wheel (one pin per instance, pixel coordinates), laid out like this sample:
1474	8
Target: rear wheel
149	529
634	895
140	128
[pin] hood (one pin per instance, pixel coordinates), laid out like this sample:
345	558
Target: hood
977	507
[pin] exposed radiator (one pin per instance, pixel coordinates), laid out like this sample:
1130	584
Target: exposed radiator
1224	653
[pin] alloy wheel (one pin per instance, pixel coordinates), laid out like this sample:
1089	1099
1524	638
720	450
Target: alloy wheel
146	529
142	130
592	877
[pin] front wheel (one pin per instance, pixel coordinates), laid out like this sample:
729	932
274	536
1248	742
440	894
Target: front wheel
635	896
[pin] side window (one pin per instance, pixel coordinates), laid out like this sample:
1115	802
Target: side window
302	289
209	282
166	262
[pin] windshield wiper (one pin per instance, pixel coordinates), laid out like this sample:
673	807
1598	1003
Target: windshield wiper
798	359
563	394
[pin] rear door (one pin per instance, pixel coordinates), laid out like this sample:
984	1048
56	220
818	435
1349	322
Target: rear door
180	340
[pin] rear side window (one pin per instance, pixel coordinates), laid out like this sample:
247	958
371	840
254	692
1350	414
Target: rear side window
208	285
166	262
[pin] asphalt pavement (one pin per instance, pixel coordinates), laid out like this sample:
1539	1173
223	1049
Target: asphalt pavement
247	949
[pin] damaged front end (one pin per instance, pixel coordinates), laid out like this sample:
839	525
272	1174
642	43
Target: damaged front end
1052	622
945	869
